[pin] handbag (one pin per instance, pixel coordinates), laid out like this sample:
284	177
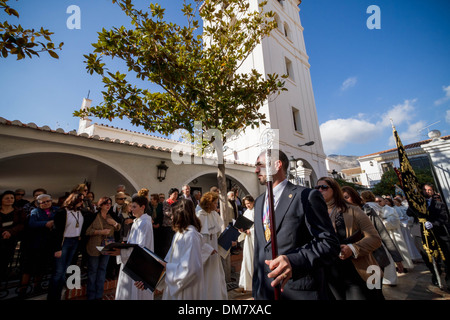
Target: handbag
107	240
358	235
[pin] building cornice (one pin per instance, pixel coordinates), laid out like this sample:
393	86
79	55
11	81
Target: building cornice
73	133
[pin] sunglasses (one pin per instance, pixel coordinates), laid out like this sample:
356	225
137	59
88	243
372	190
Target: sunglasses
322	186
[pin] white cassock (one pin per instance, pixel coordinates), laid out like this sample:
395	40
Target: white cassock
405	226
246	275
214	276
141	233
392	222
184	268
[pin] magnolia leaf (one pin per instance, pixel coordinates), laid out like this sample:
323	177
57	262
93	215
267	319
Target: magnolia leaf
53	54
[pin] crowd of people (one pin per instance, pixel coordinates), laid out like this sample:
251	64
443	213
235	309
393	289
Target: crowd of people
53	234
328	239
387	234
331	247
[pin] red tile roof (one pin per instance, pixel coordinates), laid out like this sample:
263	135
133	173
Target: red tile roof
408	146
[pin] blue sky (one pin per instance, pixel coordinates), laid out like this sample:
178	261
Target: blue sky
361	77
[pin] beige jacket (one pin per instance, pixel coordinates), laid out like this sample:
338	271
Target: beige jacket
95	240
355	219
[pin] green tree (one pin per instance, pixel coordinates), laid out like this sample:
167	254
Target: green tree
21	42
389	179
386	186
197	72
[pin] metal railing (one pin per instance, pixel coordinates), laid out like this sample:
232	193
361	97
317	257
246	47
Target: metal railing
11	287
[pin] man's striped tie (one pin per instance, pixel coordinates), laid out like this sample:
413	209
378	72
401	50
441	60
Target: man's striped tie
266	220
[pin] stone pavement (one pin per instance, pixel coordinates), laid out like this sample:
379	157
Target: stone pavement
414	285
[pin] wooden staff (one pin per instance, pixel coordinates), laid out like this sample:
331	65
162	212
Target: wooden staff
273	234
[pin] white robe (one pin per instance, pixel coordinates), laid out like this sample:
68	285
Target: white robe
246	275
141	233
392	222
214	275
184	269
405	226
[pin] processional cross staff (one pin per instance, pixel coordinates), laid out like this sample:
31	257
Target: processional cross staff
417	202
268	138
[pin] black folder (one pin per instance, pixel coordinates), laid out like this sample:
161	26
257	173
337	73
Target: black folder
116	245
228	235
144	265
243	223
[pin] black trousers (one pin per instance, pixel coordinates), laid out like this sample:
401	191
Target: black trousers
345	283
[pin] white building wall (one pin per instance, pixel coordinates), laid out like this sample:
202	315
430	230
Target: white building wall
439	153
333	165
270	57
370	171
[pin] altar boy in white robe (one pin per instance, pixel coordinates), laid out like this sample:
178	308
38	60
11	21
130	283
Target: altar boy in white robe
246	275
184	278
212	223
184	268
141	233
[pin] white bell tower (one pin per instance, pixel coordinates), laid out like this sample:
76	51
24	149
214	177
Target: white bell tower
293	112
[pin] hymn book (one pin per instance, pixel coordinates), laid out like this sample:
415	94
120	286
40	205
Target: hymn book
231	233
115	245
144	265
243	223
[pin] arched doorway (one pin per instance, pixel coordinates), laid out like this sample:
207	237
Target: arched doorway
205	181
58	173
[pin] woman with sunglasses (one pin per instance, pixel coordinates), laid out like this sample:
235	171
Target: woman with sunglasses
347	277
68	224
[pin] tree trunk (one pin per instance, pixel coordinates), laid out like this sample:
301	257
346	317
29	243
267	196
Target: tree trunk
222	184
222	181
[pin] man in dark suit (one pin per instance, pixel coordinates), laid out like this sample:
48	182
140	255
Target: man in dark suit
305	236
196	196
438	221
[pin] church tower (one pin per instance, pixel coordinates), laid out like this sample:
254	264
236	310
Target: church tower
293	112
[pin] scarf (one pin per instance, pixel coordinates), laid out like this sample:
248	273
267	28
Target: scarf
48	212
